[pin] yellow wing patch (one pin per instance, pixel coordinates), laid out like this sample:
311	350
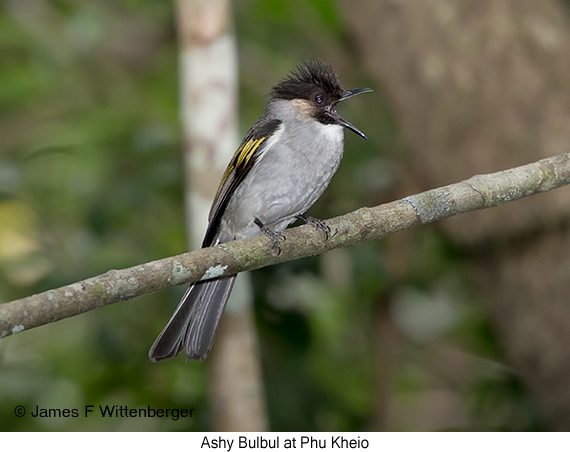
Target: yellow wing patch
246	151
242	157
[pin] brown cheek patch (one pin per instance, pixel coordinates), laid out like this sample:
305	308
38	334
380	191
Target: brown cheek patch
304	107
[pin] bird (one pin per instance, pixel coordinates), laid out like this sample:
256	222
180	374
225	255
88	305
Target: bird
283	165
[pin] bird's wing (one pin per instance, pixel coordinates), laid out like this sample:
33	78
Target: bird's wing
254	144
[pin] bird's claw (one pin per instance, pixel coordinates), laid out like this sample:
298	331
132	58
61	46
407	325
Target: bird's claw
274	236
319	224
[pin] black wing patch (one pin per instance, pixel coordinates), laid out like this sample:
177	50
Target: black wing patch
240	165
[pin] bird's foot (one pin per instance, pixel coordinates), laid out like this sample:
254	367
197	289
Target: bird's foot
319	224
274	236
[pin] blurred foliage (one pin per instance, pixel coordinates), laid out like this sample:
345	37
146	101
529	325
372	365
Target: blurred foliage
90	179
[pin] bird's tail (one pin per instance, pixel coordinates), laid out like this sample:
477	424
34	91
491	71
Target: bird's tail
195	321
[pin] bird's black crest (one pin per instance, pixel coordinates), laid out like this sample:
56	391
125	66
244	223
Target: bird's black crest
310	74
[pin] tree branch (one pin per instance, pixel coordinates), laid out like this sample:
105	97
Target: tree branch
476	193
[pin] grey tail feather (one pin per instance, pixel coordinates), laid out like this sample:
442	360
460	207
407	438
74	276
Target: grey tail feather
195	321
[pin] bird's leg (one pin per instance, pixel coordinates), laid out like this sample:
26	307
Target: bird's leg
273	235
319	224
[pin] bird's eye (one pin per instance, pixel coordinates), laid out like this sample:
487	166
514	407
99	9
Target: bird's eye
319	98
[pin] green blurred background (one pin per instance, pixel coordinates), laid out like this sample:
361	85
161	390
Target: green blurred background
91	179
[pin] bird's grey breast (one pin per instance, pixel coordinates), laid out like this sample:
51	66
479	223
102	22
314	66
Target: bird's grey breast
290	174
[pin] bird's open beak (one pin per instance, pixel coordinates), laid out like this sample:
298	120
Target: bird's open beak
341	121
354	92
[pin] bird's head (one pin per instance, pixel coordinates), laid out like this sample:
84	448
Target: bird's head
315	90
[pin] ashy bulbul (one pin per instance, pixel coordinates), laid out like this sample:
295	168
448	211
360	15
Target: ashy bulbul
283	165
